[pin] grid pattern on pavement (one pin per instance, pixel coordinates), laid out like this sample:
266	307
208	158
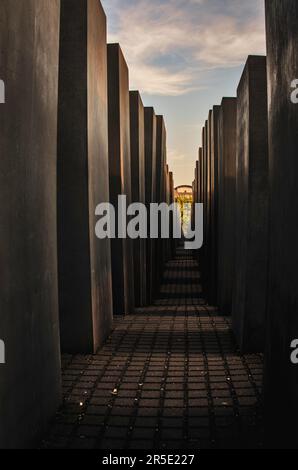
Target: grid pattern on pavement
169	377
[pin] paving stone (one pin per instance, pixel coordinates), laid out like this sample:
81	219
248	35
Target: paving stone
88	431
83	443
143	433
112	444
215	387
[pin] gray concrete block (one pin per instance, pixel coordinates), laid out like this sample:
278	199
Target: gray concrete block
137	141
161	157
150	154
197	194
197	178
120	175
250	289
206	251
169	249
213	240
30	384
208	202
203	254
173	241
226	203
151	197
168	184
161	160
84	261
281	377
201	175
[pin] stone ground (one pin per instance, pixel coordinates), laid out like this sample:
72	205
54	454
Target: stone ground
169	377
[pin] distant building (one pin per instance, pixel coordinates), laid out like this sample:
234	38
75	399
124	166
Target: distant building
184	194
184	197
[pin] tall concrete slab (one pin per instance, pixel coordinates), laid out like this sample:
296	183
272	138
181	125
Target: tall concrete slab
206	264
208	218
226	203
209	184
85	290
204	251
195	185
150	154
201	174
169	254
172	187
212	291
161	160
249	302
174	241
150	183
161	157
120	176
198	191
137	141
194	197
168	184
197	175
166	243
30	385
281	377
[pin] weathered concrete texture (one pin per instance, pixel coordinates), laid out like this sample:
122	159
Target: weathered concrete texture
150	154
249	301
137	140
150	185
172	200
194	196
172	187
206	252
226	202
199	254
120	175
167	243
281	378
203	254
161	157
173	241
201	175
29	326
209	203
85	290
213	240
197	196
167	177
168	201
197	177
161	161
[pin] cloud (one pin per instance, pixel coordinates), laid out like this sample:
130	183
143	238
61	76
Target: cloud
176	157
226	43
172	45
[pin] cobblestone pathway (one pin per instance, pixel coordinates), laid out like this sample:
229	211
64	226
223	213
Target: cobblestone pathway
169	377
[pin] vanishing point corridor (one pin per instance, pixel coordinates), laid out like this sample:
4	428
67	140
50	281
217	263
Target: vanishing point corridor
169	377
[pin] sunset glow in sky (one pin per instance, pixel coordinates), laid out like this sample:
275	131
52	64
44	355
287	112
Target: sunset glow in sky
183	57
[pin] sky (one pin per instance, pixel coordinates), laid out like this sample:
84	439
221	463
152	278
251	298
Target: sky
183	57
